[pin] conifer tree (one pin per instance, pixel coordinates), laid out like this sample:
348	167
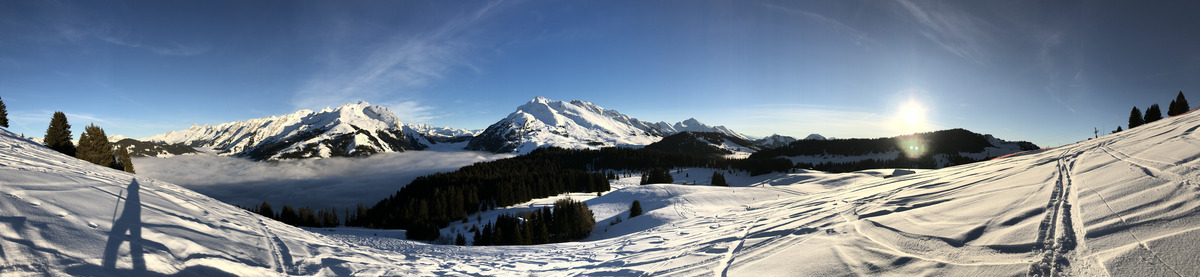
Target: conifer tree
1135	118
718	179
94	148
126	163
1180	103
3	114
1118	129
265	210
58	135
1153	114
635	209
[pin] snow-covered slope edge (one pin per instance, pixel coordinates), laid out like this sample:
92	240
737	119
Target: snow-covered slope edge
356	129
577	124
64	216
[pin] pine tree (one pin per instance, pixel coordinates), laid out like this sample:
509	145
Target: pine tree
1135	118
58	135
1180	102
265	210
460	240
635	209
95	148
1118	129
718	179
1153	114
126	163
3	115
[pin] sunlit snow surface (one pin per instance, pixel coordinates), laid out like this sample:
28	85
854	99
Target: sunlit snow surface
1125	204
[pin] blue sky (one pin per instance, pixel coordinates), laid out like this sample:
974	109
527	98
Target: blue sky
1021	70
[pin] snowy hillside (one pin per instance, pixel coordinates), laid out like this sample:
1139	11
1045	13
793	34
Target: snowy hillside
63	216
706	144
357	129
1126	204
576	124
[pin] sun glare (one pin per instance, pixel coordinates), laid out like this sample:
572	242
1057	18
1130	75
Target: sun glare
911	114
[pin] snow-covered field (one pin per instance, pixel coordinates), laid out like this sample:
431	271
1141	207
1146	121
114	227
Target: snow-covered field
1124	204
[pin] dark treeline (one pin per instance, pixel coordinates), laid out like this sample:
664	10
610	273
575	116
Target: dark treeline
304	216
1178	106
431	202
901	161
698	143
915	151
569	220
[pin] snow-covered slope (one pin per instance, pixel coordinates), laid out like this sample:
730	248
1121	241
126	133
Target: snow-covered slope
1126	204
576	124
356	129
63	216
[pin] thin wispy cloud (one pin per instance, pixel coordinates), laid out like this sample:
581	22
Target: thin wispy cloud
859	37
72	25
401	62
955	31
410	111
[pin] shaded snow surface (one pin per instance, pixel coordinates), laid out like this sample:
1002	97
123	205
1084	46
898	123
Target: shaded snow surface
1125	204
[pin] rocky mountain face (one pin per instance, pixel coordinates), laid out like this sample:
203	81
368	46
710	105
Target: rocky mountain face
576	124
356	129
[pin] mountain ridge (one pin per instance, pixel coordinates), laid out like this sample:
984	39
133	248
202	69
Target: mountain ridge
577	124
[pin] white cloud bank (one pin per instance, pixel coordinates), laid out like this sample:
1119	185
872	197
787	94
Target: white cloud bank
323	183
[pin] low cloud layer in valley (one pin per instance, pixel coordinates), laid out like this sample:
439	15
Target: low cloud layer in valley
321	183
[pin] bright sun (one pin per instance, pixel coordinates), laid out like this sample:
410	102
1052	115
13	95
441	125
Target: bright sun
912	114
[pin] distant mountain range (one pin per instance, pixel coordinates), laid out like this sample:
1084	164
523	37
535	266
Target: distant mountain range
357	129
577	124
360	129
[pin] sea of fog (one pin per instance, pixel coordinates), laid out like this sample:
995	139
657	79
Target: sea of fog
317	183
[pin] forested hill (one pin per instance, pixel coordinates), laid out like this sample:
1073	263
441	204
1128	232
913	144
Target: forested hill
922	150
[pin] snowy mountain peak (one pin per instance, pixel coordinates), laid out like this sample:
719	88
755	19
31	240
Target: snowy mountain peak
815	137
354	129
577	124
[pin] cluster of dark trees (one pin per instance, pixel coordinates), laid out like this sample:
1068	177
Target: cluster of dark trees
569	220
1178	106
718	179
304	216
657	176
93	146
432	202
698	143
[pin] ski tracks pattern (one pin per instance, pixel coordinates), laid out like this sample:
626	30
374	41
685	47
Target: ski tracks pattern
1057	236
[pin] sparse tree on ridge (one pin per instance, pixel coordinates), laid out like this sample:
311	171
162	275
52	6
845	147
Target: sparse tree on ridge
3	114
1135	118
1152	114
1118	129
58	135
1178	106
95	148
